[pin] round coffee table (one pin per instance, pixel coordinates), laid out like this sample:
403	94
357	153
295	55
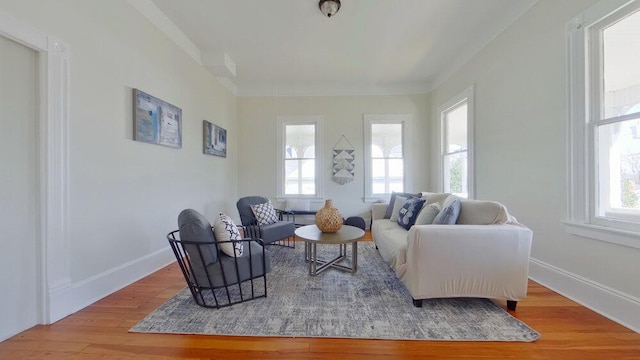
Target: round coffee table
312	236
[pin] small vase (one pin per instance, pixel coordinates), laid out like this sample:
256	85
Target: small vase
328	219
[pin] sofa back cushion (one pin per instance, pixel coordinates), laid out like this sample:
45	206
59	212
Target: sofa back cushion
439	198
482	212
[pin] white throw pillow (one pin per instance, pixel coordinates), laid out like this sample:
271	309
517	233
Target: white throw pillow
397	205
225	229
265	213
427	214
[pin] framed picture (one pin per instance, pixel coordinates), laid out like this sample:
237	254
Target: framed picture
215	139
156	121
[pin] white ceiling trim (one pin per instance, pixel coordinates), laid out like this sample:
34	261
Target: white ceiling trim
149	10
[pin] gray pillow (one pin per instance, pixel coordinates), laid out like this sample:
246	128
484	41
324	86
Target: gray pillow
397	205
387	214
427	214
449	213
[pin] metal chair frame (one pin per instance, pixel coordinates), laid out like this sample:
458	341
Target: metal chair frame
253	229
199	291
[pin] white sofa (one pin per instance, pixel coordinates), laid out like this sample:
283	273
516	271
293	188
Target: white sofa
485	254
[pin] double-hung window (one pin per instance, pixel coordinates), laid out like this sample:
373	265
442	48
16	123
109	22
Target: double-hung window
298	157
386	154
456	126
604	65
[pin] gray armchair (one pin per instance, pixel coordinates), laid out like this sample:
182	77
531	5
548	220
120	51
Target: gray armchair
280	233
215	279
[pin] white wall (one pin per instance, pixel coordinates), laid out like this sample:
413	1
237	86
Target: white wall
124	196
520	138
343	115
18	198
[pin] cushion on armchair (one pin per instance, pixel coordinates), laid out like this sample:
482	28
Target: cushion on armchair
226	230
265	213
194	227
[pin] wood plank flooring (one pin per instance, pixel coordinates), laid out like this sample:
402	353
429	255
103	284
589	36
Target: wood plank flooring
100	331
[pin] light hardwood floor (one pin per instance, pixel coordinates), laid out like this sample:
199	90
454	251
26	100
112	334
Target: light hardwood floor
100	331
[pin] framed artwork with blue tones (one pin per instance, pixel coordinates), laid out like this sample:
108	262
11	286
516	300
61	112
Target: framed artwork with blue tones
215	139
156	121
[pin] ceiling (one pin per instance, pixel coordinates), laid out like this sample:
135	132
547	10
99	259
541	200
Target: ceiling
287	47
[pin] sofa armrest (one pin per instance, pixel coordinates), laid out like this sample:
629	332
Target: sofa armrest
468	260
378	210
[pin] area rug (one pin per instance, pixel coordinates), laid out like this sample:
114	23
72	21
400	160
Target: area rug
371	304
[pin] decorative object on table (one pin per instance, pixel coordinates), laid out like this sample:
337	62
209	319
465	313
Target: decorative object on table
372	304
156	121
214	139
329	219
343	161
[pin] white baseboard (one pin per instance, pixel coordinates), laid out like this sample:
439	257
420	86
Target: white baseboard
613	304
67	300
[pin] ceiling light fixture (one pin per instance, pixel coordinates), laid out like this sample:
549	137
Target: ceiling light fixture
329	7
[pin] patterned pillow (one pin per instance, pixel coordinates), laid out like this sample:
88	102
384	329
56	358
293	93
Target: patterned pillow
427	214
265	213
409	212
225	230
450	211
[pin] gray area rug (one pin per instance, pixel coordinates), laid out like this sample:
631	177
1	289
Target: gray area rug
371	304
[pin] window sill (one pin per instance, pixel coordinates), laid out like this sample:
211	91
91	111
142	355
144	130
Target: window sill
614	236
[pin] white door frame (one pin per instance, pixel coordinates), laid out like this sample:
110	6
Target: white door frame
52	159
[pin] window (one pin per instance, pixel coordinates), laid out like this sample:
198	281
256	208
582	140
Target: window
298	157
604	65
456	128
386	154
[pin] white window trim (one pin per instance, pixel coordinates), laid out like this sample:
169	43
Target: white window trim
468	96
580	151
405	120
284	120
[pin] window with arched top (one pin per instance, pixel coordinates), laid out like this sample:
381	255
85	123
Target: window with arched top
386	155
298	159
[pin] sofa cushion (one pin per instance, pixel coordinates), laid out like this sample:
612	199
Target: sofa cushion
450	212
427	214
482	212
439	198
387	214
391	240
397	205
409	212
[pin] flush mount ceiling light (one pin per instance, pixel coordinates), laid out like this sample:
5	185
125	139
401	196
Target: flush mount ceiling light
329	7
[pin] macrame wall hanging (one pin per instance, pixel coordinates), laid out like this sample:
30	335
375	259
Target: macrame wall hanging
343	161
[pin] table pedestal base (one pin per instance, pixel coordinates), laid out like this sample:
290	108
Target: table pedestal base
316	266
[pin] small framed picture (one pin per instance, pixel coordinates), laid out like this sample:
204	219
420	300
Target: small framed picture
156	121
214	140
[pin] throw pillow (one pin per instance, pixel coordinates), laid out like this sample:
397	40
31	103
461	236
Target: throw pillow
427	214
409	212
226	230
387	214
397	205
265	213
450	212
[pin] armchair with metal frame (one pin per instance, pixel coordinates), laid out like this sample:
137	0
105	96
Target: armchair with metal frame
216	279
279	233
